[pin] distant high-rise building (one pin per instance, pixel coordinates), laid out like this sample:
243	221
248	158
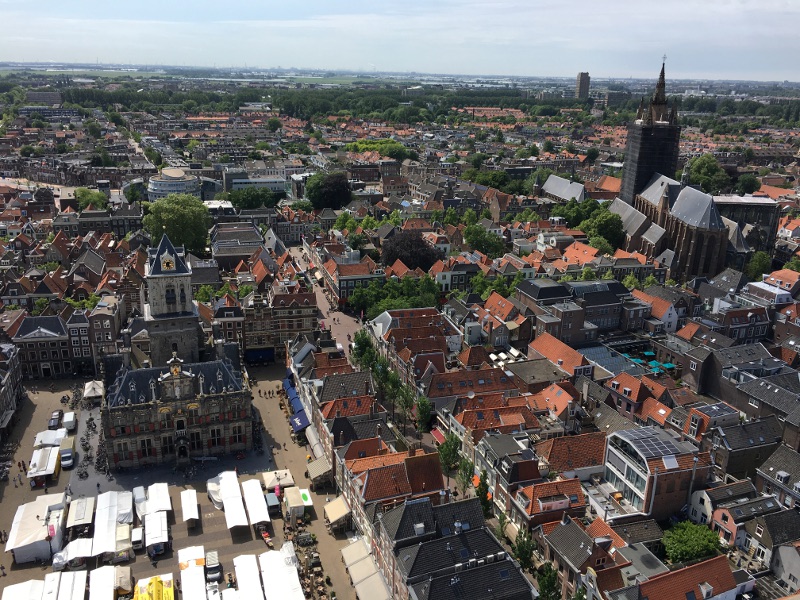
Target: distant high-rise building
582	86
653	143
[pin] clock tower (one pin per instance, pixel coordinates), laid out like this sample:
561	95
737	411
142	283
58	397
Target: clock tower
170	314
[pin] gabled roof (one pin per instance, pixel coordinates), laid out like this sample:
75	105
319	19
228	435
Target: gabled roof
715	572
558	353
166	249
568	453
530	496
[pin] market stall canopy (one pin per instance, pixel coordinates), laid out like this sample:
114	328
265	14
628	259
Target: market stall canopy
81	512
278	569
373	588
102	583
94	389
44	462
193	583
248	577
336	510
189	508
281	477
156	529
32	588
77	548
160	587
256	504
193	556
49	438
73	585
305	496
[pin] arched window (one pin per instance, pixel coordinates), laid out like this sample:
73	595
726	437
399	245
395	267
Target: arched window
183	296
169	296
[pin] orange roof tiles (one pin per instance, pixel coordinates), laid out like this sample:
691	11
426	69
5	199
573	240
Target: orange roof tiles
567	487
572	452
558	353
716	572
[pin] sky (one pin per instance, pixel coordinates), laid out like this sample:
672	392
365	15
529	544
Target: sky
713	39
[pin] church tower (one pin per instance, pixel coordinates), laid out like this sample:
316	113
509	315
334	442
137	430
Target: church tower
170	314
653	143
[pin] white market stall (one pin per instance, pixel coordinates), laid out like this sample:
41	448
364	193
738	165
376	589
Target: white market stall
37	529
45	462
49	438
248	578
73	585
74	554
192	556
281	478
154	499
94	391
105	524
256	504
81	512
51	583
225	493
278	568
31	589
156	533
336	510
102	583
193	582
189	508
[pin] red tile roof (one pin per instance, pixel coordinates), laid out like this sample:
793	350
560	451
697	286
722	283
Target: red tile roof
573	451
558	353
599	528
660	307
716	572
534	493
638	392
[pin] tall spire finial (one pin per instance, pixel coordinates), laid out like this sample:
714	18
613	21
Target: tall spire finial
660	96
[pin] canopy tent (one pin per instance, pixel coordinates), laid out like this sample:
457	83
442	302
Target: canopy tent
31	589
36	530
248	577
102	583
77	548
51	583
156	529
81	512
373	588
292	393
280	477
73	585
336	510
229	494
160	587
437	435
638	361
154	499
44	462
296	404
299	421
49	438
105	524
654	363
319	468
193	583
192	556
124	507
228	594
189	508
256	504
649	353
355	552
284	582
94	389
305	497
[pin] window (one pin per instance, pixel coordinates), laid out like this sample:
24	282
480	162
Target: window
195	440
146	447
759	530
216	437
692	365
753	402
167	445
724	518
122	448
237	434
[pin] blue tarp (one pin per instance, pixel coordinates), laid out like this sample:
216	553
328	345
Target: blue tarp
669	366
297	406
287	383
638	361
648	353
299	421
654	363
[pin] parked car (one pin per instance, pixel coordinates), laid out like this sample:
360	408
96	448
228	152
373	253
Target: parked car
55	419
213	567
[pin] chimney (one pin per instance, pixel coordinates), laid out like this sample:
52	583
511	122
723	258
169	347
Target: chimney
126	338
341	437
378	430
412	451
372	403
338	413
220	348
126	357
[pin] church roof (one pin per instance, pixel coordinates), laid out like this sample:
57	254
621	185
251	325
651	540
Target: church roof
697	208
657	186
166	249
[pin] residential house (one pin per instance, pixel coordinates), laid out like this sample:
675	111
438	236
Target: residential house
561	355
779	476
573	456
738	450
765	533
546	502
729	518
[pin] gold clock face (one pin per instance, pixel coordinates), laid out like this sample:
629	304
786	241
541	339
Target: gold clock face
167	264
175	369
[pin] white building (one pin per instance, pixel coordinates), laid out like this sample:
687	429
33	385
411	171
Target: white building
172	180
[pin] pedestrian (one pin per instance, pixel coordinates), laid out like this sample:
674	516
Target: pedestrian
98	486
3	570
19	465
69	489
45	489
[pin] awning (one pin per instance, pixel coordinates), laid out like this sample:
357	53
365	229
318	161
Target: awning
292	392
296	404
299	421
362	570
289	374
287	383
373	588
189	505
318	468
648	353
654	363
437	435
354	552
313	440
336	510
668	365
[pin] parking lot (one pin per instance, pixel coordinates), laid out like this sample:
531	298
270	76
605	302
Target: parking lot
211	531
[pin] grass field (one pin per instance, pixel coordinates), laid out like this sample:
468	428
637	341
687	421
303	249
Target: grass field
88	73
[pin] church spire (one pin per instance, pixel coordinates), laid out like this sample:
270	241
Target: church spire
660	96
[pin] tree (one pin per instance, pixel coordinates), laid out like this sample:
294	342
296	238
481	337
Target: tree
548	146
424	413
252	198
592	154
760	263
482	492
86	197
548	583
274	124
747	184
500	530
706	172
303	205
523	548
580	594
650	281
480	239
409	247
183	217
601	244
632	282
793	264
466	470
40	306
357	241
245	290
133	194
405	402
328	190
363	353
449	451
204	294
587	274
687	541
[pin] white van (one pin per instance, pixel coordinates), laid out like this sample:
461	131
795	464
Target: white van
70	421
137	538
66	450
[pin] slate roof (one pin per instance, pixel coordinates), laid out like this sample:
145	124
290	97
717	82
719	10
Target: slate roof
639	531
732	491
783	526
498	580
399	522
165	247
571	542
41	327
697	209
443	553
563	188
544	289
658	186
780	391
346	384
783	459
766	430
